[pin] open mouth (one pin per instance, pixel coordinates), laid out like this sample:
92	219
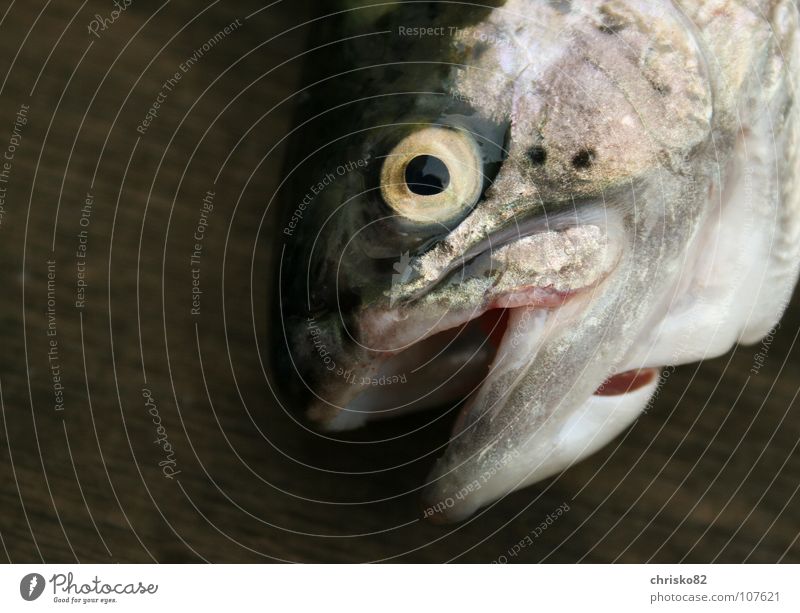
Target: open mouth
484	320
447	366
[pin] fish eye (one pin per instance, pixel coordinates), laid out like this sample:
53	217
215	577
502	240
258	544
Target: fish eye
432	175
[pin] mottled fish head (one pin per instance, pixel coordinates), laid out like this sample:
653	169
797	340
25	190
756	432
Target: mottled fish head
496	207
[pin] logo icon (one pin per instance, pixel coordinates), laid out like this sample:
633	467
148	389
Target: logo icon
31	586
402	273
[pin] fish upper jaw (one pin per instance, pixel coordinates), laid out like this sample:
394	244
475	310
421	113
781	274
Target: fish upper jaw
566	250
539	270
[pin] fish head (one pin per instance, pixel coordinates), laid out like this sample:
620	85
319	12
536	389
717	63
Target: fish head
503	224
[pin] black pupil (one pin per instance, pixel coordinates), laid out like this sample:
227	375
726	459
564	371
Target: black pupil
427	175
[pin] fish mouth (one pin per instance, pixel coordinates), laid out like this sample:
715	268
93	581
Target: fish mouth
440	365
438	349
448	363
526	342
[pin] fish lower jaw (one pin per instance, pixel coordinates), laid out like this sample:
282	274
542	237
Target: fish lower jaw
556	445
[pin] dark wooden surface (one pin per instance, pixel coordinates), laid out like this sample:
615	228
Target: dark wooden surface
710	473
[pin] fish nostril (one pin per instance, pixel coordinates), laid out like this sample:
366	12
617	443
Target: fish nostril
583	159
537	155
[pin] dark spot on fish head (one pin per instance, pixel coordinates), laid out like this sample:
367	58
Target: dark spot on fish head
562	6
660	87
610	29
537	155
583	159
613	22
479	49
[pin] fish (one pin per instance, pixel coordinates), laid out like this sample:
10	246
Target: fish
523	211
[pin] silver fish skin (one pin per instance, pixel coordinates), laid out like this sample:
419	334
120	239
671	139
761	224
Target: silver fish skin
638	207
